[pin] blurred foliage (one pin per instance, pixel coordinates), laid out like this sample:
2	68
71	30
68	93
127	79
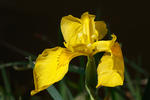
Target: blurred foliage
134	88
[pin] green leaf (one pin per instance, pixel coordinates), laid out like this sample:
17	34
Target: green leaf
12	64
135	66
138	90
129	83
114	93
9	95
20	51
54	93
65	91
51	90
76	69
2	96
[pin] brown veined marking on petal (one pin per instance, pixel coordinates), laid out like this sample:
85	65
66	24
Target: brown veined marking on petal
116	50
58	57
61	61
117	54
45	53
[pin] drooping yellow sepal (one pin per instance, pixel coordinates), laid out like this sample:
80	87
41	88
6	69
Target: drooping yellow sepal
111	68
50	67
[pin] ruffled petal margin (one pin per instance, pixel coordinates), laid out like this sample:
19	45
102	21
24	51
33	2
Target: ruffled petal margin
104	45
70	28
50	67
111	68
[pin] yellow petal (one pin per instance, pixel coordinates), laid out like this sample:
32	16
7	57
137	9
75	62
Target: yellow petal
71	27
50	67
82	31
111	68
103	45
101	28
89	27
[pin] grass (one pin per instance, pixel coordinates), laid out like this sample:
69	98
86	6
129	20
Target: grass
132	89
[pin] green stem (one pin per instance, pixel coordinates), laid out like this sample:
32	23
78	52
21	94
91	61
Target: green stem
90	78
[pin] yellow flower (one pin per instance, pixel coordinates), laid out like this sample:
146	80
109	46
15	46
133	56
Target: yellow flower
82	37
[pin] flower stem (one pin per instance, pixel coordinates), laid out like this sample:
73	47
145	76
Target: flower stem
90	78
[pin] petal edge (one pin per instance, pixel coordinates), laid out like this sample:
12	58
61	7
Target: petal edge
111	68
50	67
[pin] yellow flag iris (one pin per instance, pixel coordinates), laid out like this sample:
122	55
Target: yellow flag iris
82	37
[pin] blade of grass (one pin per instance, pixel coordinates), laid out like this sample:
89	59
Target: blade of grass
135	66
12	47
69	93
65	91
117	95
76	69
138	79
54	93
51	90
72	68
107	93
9	94
130	85
2	93
138	92
12	64
119	91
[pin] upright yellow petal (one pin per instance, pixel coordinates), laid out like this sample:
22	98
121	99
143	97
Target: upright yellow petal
101	28
50	67
111	68
89	27
82	31
71	29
